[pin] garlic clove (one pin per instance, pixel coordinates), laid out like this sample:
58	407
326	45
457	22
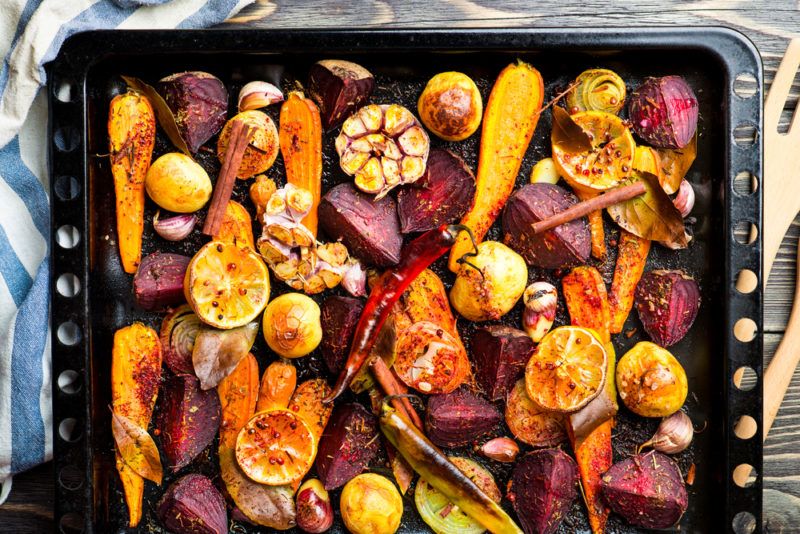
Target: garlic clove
354	280
541	299
256	95
684	200
500	449
673	435
174	228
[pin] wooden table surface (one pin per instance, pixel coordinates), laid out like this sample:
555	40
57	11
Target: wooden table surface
769	23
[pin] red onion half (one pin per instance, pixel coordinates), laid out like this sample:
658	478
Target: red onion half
663	112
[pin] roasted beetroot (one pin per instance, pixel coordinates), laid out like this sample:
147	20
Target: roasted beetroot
188	419
663	112
350	442
667	303
339	87
199	102
193	505
458	418
368	228
158	282
647	490
542	489
442	195
500	354
563	246
339	317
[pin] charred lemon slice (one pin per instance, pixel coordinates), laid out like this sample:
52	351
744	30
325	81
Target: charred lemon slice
275	447
226	286
567	370
606	164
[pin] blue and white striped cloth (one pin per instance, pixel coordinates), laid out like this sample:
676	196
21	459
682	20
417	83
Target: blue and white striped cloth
31	33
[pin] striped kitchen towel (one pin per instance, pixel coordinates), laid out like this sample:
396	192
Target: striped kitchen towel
31	34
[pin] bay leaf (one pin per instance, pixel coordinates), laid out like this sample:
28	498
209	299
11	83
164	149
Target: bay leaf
567	134
136	448
216	353
164	115
675	163
651	215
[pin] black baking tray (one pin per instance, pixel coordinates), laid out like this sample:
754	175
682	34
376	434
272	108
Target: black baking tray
719	63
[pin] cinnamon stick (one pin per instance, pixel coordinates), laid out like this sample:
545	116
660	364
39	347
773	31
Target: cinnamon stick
390	386
611	197
237	144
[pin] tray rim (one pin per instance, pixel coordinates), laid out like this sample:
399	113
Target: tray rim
733	50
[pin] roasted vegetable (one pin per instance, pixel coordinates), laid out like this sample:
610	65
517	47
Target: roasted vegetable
667	303
500	354
674	434
368	228
216	353
647	490
370	504
490	283
339	317
236	227
314	510
441	196
458	418
442	515
174	228
277	386
291	325
178	332
307	403
563	246
131	138
270	506
199	103
188	419
541	303
529	423
438	471
664	112
261	191
262	149
300	136
430	359
416	257
158	282
596	228
684	200
339	87
512	113
177	183
382	146
597	90
651	382
348	445
542	489
587	301
592	150
192	505
502	449
135	376
450	106
258	94
631	258
594	456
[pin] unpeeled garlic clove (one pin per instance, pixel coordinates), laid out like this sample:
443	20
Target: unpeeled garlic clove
256	95
674	434
684	200
541	299
500	449
354	280
174	228
314	510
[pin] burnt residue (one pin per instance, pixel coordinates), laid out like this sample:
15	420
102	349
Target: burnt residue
400	78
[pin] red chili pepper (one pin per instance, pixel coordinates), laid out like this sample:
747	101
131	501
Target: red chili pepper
417	256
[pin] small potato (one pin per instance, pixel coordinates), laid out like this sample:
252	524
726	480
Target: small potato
651	382
371	504
489	288
263	148
177	183
450	106
292	325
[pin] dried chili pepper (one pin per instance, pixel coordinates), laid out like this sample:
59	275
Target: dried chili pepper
416	257
437	470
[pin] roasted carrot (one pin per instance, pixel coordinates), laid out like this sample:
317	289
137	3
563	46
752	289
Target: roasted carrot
135	376
238	394
300	137
236	227
595	227
587	300
631	259
132	135
277	386
594	457
512	113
